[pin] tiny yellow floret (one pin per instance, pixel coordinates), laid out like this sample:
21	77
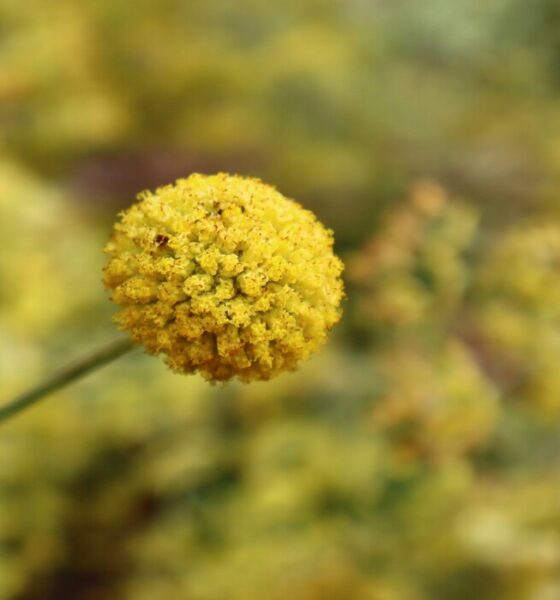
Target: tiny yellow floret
225	276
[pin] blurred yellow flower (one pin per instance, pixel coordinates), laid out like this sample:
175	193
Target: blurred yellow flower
225	276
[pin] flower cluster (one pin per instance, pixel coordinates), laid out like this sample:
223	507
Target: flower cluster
516	298
414	271
436	404
225	276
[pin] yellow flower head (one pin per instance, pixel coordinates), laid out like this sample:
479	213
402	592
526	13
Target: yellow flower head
225	276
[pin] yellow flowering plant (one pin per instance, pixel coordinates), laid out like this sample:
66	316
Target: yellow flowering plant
223	275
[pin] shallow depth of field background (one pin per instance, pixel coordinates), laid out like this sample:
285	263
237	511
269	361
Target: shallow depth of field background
417	457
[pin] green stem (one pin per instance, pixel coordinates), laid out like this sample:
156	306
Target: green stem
72	372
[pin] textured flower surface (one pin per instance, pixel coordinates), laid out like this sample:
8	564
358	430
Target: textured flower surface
225	276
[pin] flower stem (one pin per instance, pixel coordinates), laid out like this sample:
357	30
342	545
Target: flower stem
67	375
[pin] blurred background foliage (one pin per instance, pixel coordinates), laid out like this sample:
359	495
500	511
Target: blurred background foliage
417	457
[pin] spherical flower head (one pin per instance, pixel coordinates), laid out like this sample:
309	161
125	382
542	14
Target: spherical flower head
225	276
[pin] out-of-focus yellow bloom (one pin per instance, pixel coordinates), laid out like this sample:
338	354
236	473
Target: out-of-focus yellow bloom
225	276
517	311
522	269
414	271
438	405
